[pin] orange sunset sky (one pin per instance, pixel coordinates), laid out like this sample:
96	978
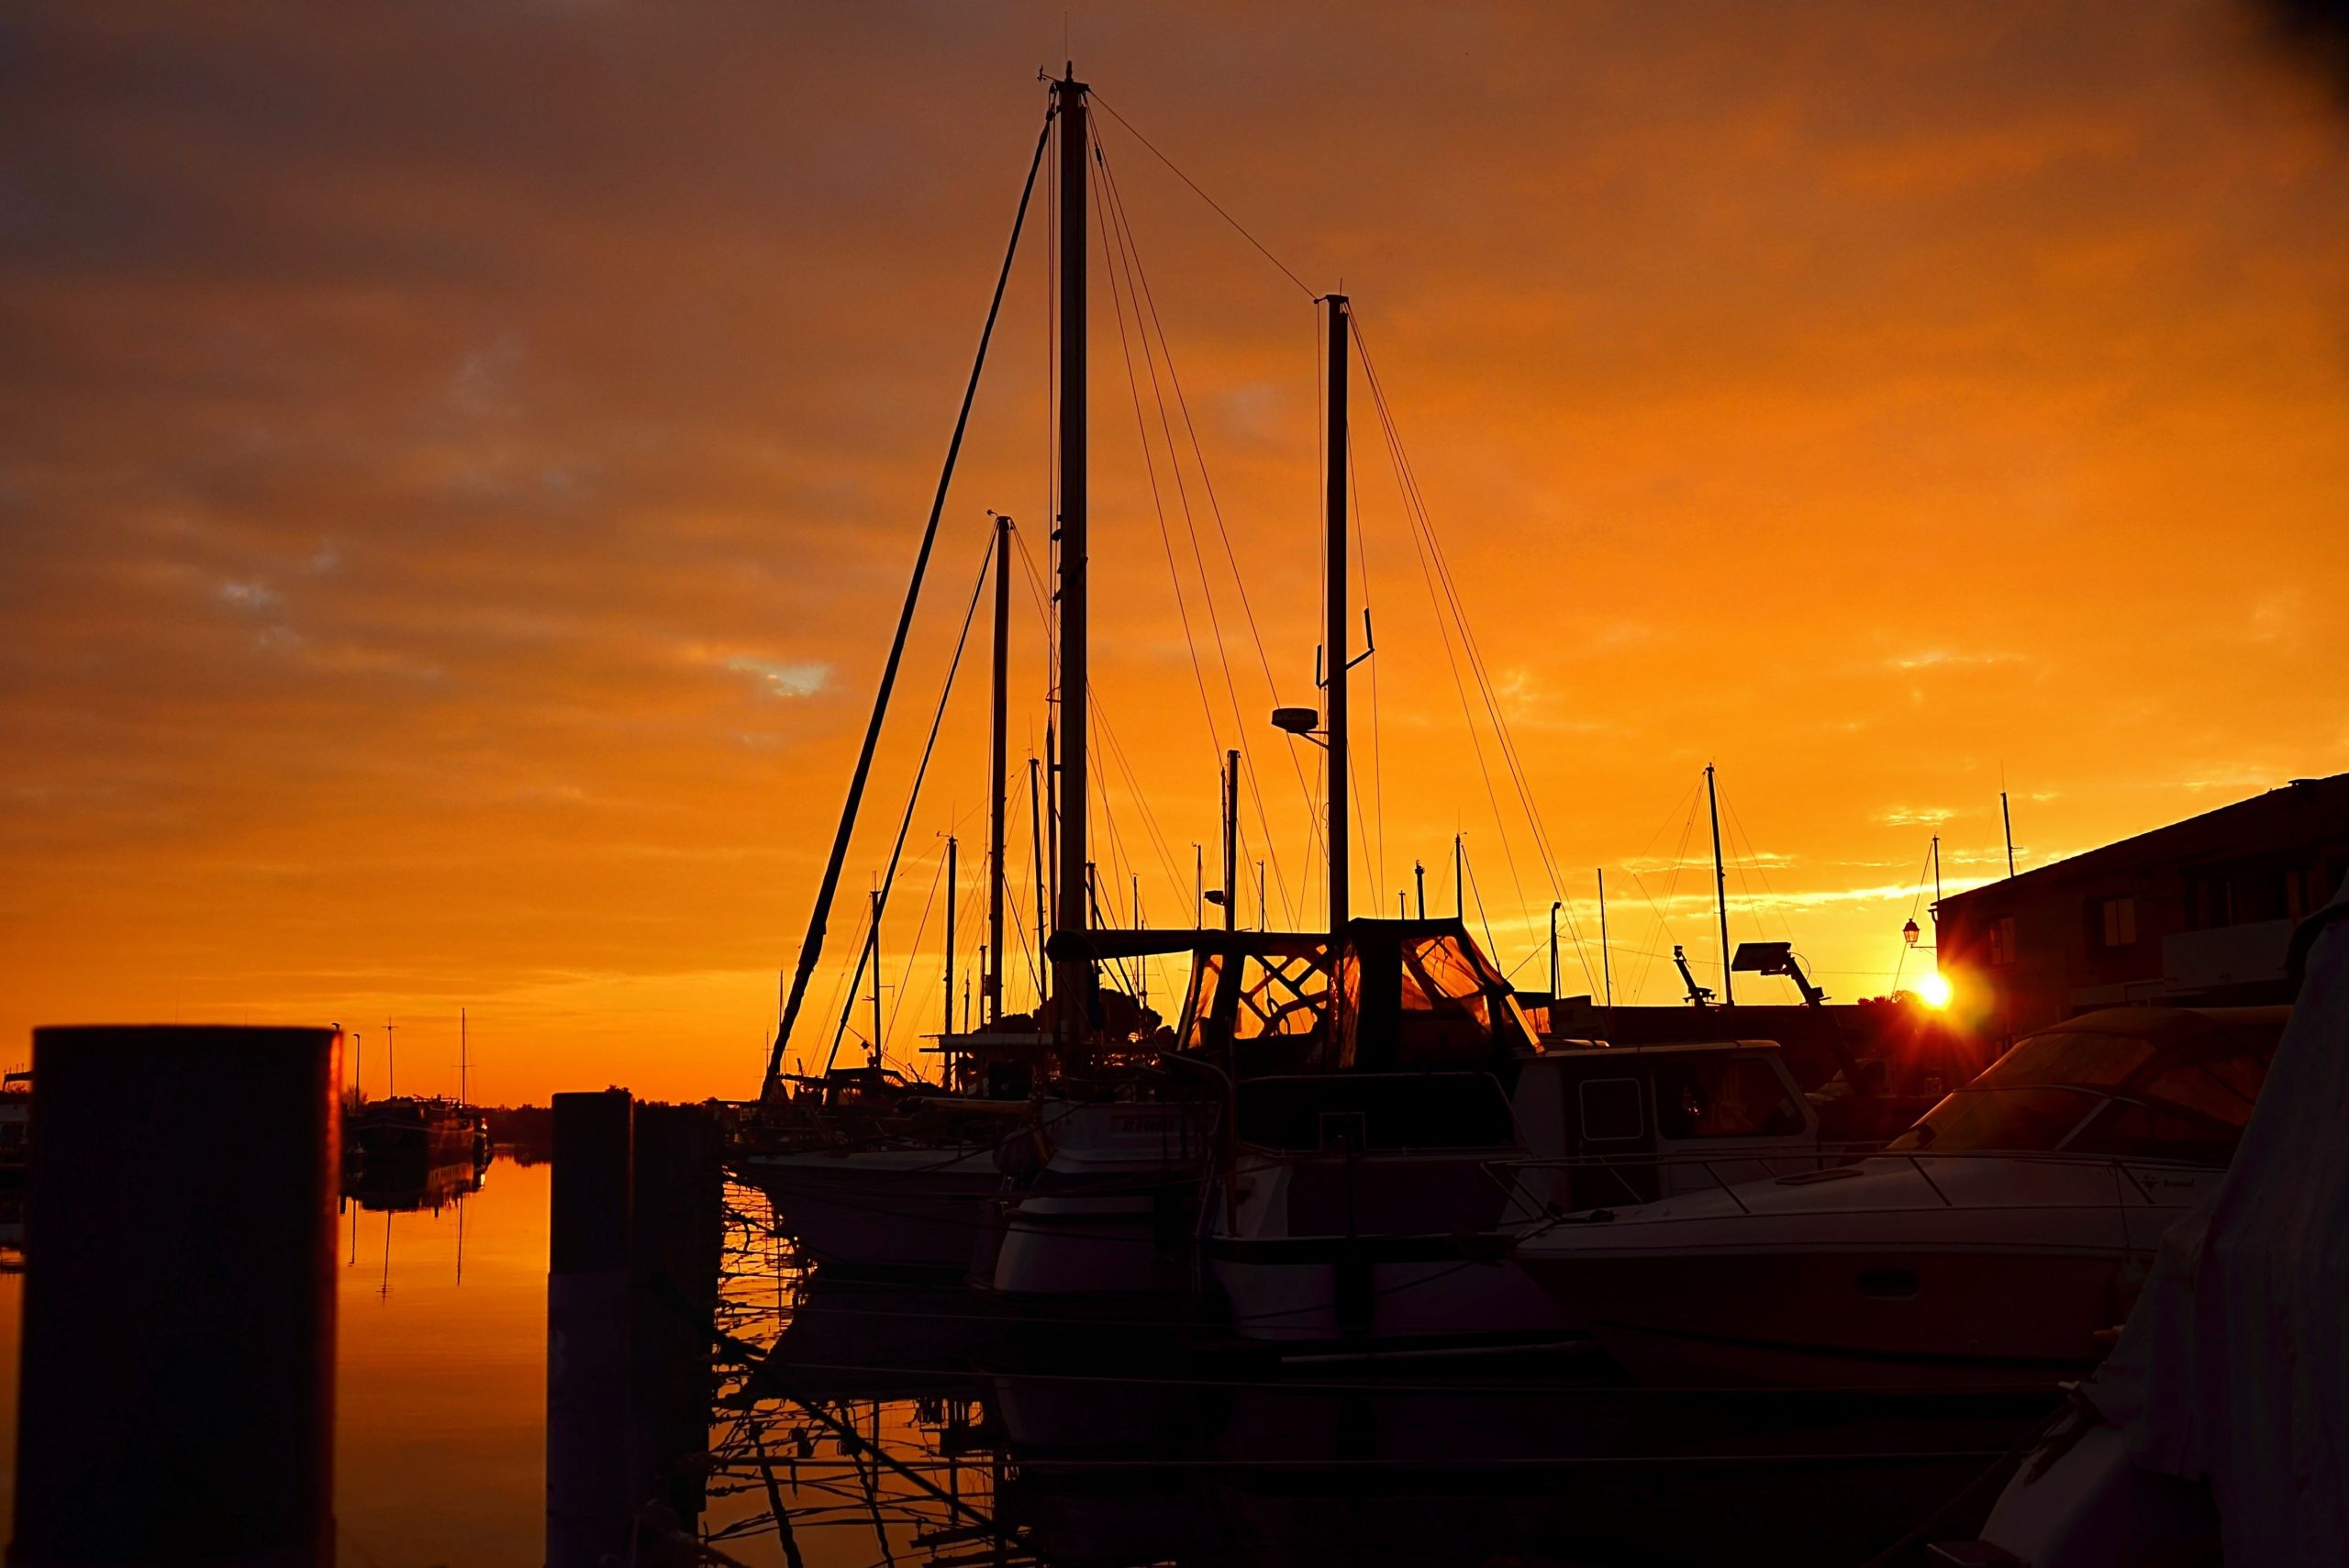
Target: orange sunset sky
460	465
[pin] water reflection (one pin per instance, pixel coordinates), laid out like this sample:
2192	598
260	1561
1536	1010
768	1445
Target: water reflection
860	1423
924	1425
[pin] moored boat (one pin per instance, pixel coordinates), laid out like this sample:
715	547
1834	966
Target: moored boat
1991	1244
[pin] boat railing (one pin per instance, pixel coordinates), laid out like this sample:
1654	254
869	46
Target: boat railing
1825	1164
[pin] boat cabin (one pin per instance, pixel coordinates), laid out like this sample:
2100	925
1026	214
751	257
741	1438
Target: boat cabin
1408	995
1630	1124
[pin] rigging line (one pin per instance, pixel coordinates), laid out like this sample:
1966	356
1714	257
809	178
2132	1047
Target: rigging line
1149	468
1211	202
1137	288
1510	752
913	955
1761	870
1679	859
1630	867
1444	631
1149	463
1161	846
1146	300
1468	864
1018	898
1439	593
929	747
1206	481
1512	757
1924	871
1488	696
812	947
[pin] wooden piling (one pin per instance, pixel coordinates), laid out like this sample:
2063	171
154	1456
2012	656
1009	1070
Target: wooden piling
176	1400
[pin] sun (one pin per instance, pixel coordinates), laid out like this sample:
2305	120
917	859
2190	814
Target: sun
1933	990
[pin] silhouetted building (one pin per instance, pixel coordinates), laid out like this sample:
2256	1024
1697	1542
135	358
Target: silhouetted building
2195	912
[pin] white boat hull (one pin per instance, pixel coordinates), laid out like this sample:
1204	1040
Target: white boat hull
894	1211
1959	1273
1112	1218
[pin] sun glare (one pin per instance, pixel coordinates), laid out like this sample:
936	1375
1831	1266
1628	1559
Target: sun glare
1933	990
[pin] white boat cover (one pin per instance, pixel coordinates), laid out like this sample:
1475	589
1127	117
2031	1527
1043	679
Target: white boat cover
2234	1365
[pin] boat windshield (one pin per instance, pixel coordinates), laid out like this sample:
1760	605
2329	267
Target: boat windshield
2141	1082
2036	1119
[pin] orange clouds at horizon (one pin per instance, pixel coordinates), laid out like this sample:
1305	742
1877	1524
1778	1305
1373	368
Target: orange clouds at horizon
459	468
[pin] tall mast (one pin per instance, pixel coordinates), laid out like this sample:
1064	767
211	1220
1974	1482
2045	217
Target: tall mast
1335	594
1554	904
1459	879
1073	975
2007	817
391	1065
464	1062
1230	840
1937	879
946	1024
1606	961
876	977
991	1005
1721	889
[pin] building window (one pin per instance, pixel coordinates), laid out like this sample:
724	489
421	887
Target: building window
2112	922
2002	941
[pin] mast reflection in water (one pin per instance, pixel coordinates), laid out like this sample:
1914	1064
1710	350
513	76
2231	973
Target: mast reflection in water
926	1423
854	1423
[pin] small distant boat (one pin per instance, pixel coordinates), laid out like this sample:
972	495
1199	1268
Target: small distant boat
1990	1245
410	1134
16	1125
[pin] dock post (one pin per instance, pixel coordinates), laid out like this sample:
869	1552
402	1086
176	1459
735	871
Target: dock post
176	1401
680	1243
592	1493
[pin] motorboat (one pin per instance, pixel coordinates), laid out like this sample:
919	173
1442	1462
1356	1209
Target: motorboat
2217	1428
1990	1244
1376	1205
1297	1172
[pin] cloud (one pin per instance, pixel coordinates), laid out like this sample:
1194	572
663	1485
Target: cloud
784	679
1952	658
250	596
1914	815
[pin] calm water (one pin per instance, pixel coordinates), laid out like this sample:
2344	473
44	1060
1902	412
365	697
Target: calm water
909	1425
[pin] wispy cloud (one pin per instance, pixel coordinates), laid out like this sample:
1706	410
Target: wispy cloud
1953	659
783	680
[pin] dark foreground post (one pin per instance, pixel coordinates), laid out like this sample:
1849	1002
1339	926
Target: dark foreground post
591	1494
177	1398
680	1244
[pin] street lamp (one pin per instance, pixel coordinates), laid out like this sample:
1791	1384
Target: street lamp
1909	933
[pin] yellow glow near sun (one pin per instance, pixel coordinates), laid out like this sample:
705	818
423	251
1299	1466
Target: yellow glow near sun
1933	990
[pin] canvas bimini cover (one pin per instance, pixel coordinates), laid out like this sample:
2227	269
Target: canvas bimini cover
2234	1365
1403	996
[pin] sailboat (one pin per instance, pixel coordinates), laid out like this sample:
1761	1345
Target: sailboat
1335	1104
